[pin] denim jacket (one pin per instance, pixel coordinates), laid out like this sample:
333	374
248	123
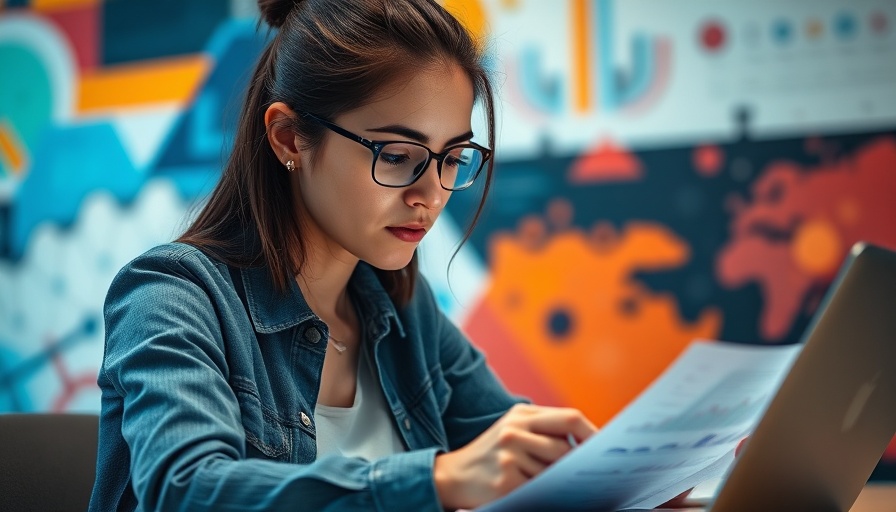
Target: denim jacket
208	401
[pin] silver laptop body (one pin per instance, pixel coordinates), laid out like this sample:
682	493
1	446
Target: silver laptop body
835	412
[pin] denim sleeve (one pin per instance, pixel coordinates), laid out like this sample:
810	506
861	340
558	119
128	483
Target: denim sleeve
478	398
181	420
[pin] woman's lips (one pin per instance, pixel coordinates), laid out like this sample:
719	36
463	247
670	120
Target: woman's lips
407	234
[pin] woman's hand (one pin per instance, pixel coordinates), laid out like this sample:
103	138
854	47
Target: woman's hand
517	447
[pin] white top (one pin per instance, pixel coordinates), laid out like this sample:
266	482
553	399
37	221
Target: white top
365	429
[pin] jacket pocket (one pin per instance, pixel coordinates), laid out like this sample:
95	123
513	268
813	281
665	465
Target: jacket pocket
264	431
429	405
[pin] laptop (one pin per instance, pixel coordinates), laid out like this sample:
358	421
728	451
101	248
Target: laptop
835	412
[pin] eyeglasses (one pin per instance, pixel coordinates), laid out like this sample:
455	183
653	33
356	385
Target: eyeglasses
401	163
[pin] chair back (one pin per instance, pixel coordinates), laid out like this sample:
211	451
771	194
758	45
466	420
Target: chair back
47	461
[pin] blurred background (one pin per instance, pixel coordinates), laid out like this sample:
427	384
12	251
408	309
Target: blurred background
666	171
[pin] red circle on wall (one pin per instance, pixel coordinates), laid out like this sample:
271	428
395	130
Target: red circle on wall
713	36
708	160
879	22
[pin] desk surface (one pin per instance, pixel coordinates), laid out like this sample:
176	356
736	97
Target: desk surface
876	498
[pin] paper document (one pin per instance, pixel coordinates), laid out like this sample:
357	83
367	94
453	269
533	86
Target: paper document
682	430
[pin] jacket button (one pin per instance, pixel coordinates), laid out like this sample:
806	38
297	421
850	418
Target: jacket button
407	424
312	335
306	420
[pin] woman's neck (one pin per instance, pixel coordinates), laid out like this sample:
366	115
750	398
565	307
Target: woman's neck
325	271
324	283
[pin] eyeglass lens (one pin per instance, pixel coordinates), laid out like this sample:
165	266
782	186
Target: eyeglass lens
399	164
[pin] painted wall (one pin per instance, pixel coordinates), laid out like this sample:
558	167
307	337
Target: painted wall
666	171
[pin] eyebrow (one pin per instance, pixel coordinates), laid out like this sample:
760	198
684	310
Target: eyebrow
420	137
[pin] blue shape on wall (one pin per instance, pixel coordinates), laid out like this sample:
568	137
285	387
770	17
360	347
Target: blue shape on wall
5	250
846	26
15	371
26	102
13	394
58	182
543	91
195	150
130	30
782	31
619	87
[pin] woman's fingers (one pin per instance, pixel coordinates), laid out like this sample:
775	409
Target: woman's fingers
518	447
546	449
530	466
558	422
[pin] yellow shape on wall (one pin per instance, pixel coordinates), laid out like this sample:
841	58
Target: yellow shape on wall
12	151
817	247
581	71
59	5
470	13
169	80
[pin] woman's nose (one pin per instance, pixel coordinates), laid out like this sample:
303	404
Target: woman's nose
427	191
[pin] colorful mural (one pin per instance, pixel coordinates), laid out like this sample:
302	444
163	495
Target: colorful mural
588	333
791	237
665	172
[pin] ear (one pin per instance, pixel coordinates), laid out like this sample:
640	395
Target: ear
278	120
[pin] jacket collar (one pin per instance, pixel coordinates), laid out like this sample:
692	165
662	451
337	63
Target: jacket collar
272	311
376	306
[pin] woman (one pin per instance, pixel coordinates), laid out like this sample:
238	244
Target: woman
284	354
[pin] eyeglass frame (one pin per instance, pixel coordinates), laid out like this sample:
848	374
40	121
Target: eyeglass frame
376	147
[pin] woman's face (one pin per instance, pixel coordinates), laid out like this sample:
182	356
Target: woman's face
348	214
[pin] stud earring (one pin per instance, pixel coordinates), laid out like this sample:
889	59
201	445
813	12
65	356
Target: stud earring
290	166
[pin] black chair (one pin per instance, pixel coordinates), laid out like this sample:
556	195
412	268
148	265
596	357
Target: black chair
47	461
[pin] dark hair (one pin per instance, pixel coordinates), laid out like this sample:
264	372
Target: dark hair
328	57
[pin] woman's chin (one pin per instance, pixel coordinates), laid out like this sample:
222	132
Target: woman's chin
392	262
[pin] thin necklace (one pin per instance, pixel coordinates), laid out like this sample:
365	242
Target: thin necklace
338	345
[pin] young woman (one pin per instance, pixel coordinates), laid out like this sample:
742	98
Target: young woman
284	354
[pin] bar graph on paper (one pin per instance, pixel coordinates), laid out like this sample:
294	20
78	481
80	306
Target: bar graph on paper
720	407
